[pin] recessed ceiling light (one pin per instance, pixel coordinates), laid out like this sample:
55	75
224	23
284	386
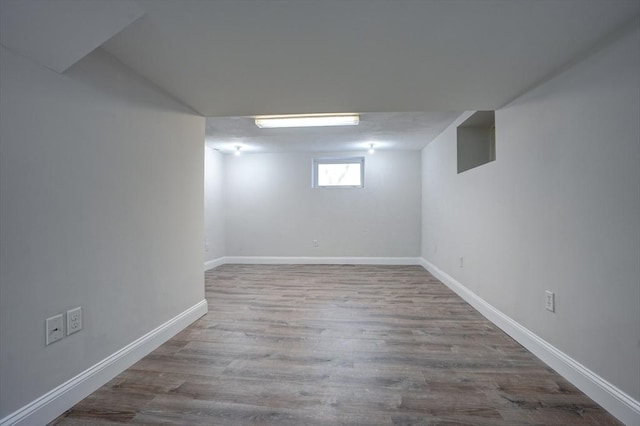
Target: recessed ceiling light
307	120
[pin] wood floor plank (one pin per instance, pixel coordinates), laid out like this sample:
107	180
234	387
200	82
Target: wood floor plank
332	345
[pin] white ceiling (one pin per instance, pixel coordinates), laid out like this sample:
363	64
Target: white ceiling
232	58
396	131
235	58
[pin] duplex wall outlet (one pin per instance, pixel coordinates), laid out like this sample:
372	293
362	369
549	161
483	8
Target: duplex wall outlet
53	329
550	301
74	320
315	243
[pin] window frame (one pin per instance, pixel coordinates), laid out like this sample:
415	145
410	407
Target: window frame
336	160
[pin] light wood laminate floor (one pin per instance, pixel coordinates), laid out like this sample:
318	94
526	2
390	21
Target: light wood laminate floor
337	344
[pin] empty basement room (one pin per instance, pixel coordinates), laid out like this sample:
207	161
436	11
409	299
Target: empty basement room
188	237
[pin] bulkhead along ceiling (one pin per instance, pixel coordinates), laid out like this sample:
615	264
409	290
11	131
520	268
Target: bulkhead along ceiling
233	58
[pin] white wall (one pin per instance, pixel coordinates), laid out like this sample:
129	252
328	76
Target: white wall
214	210
559	209
101	207
273	211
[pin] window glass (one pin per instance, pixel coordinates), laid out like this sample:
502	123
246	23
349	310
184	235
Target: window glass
341	172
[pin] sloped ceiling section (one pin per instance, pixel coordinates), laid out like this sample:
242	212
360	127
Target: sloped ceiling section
239	58
243	58
57	34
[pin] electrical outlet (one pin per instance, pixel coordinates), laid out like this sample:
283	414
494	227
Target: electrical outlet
315	243
461	262
550	301
53	329
74	320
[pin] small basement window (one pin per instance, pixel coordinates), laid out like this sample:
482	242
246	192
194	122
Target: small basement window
338	172
477	140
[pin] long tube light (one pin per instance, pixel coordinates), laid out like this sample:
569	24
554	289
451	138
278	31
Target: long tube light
314	120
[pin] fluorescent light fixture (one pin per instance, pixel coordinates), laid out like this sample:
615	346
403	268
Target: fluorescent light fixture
308	120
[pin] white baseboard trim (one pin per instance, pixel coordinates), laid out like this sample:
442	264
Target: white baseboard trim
213	263
618	403
283	260
57	401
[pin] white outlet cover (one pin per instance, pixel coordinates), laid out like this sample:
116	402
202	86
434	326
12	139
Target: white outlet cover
74	320
53	329
550	301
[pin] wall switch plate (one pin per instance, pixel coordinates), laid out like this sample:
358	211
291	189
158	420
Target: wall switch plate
53	329
74	320
550	301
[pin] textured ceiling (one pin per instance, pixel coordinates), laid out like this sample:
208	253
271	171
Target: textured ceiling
396	131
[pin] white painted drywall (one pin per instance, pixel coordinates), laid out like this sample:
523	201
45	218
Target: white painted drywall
272	210
558	210
214	212
100	206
